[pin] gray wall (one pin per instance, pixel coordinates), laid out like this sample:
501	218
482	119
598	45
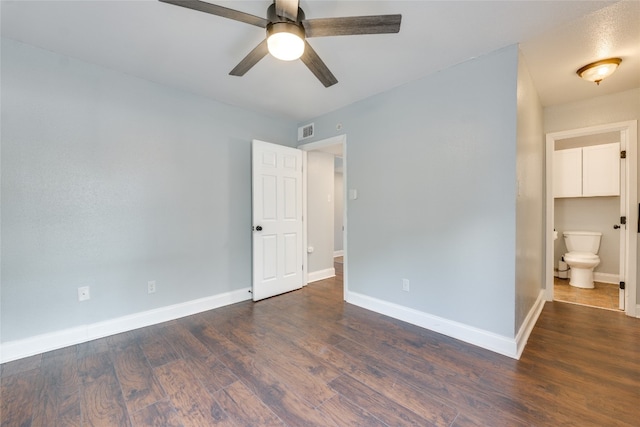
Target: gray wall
111	181
530	196
338	218
320	209
596	111
590	214
434	163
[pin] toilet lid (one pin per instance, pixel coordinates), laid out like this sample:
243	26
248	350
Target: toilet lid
584	256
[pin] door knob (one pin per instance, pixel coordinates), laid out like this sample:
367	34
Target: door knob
259	228
615	227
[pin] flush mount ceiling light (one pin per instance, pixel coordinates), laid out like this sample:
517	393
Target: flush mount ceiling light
599	70
285	40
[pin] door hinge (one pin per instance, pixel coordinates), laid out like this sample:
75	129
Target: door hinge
623	220
623	154
622	285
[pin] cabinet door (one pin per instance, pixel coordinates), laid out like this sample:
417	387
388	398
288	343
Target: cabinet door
601	170
567	173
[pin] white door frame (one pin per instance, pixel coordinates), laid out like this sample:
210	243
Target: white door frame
628	132
340	139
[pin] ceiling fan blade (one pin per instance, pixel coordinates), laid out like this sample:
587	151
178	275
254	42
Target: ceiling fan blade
225	12
251	59
287	9
317	67
353	25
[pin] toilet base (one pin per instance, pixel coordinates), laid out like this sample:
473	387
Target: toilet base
582	278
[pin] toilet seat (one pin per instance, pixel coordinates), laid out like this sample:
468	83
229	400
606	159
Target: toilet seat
580	257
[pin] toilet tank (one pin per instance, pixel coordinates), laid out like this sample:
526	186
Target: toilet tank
582	241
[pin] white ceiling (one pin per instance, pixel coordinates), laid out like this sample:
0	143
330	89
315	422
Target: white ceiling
195	51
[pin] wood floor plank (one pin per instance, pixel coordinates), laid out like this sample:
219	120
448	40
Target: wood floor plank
93	347
17	394
102	403
306	375
413	349
159	414
343	412
215	342
388	411
183	342
58	399
454	389
21	365
245	408
428	406
283	402
156	348
192	401
212	373
137	381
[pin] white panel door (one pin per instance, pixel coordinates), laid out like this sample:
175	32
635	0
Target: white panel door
277	219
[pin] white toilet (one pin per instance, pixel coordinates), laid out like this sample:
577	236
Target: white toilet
581	258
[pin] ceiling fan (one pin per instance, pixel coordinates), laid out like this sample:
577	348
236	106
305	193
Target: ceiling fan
287	30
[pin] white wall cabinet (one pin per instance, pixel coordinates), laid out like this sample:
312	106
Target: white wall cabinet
567	173
601	170
587	171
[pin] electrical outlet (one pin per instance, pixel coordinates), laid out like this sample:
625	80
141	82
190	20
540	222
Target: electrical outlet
83	293
151	286
405	285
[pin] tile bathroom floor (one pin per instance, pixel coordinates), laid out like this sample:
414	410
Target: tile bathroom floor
604	295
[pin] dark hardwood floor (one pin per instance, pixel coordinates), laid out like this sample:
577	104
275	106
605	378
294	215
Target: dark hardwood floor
308	359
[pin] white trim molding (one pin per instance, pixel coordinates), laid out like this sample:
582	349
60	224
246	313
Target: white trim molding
529	322
314	276
611	278
606	278
338	253
511	347
13	350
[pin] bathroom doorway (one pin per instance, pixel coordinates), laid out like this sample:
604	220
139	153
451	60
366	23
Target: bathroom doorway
615	286
575	212
335	149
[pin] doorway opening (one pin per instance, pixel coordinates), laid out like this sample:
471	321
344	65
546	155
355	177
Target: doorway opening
615	216
325	209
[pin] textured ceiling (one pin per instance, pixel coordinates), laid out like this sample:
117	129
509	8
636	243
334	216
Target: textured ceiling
195	51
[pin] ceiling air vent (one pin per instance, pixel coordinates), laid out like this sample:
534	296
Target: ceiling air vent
305	132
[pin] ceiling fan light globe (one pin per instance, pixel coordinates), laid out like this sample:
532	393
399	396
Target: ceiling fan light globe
285	41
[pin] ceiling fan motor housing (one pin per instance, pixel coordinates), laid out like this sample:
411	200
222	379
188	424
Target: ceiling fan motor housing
273	17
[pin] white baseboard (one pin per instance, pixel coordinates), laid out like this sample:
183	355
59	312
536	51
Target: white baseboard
599	277
529	322
472	335
606	278
13	350
338	253
314	276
